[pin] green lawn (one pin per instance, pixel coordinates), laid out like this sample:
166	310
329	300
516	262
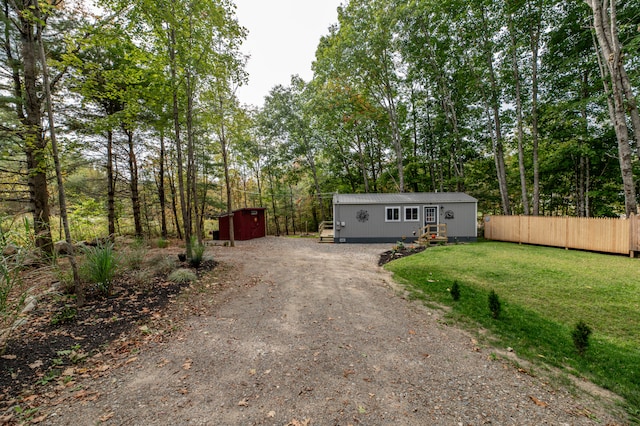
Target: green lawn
544	293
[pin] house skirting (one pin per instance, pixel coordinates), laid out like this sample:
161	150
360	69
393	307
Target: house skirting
408	240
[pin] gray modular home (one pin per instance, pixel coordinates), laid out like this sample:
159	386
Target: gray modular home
381	218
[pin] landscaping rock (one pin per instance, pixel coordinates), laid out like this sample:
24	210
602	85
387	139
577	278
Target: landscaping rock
63	248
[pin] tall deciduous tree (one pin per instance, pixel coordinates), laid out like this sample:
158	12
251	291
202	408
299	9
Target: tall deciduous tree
21	40
618	88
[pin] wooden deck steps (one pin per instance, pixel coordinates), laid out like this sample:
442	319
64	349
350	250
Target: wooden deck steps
433	234
325	231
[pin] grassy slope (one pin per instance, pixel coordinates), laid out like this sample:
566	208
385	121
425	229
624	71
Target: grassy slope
544	292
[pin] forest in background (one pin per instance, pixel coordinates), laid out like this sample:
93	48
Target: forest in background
527	105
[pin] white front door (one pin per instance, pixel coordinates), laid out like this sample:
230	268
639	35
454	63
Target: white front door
430	215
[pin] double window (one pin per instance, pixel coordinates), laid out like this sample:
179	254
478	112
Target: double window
411	214
392	214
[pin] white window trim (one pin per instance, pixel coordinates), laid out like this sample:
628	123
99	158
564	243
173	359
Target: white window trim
416	208
436	209
386	215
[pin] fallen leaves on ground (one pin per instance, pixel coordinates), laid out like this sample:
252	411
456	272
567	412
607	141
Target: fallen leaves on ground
538	402
106	417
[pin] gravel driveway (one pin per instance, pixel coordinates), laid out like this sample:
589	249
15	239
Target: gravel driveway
322	337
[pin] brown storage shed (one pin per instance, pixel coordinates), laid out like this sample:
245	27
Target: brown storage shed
248	223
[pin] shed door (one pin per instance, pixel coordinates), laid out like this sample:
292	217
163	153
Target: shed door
430	215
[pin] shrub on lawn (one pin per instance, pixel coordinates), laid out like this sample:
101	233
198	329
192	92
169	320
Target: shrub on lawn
455	291
580	335
494	304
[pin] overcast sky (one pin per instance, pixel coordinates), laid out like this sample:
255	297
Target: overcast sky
282	41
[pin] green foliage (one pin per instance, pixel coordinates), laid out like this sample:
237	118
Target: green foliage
12	290
580	336
66	315
197	252
455	291
544	295
100	266
162	243
182	276
494	304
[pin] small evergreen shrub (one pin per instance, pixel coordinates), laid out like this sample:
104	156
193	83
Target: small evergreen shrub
455	291
580	335
182	276
100	266
494	304
163	243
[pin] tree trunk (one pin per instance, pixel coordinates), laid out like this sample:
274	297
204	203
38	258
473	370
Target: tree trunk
498	150
520	133
176	124
225	161
133	184
174	205
316	183
35	143
161	194
611	52
78	287
111	188
192	195
535	46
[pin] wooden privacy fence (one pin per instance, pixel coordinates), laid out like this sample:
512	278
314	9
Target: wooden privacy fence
605	235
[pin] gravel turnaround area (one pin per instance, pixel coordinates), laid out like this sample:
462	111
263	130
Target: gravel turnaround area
317	334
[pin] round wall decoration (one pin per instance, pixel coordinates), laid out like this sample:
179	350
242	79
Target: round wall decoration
362	216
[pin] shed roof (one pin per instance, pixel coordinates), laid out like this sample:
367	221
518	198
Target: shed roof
404	198
223	214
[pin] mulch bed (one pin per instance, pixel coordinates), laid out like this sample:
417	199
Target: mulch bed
398	253
42	349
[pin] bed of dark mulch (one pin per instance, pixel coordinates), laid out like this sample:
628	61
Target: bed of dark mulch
57	336
399	252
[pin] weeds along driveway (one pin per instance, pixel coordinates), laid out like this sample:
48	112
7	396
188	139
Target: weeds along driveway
320	336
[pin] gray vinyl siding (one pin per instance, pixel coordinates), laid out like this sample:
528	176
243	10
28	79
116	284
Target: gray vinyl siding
462	227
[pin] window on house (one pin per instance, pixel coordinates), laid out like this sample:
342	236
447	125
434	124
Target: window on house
411	214
392	214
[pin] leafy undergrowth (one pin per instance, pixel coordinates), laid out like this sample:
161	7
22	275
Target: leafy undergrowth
59	344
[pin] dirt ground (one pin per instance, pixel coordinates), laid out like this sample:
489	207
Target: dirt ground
317	334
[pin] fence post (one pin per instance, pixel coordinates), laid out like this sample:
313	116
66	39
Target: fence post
633	235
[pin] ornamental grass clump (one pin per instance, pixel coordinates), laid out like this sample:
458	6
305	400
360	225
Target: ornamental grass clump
182	276
580	335
197	252
100	266
494	304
